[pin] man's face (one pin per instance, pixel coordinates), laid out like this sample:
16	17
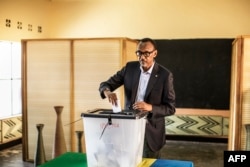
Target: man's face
146	54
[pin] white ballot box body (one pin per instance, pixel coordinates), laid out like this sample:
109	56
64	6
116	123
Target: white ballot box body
113	140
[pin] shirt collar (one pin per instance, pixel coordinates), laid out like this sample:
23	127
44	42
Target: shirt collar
149	70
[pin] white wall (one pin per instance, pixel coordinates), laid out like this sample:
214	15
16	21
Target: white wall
162	19
159	19
34	12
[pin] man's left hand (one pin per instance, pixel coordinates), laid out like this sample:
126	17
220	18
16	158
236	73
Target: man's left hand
142	106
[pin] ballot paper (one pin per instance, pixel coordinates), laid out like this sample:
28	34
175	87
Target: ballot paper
117	108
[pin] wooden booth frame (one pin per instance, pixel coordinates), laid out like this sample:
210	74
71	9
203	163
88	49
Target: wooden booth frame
66	72
240	94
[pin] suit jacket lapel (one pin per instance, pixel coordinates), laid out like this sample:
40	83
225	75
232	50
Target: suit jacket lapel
135	84
153	78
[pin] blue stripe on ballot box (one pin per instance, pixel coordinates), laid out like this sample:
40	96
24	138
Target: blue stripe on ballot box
172	163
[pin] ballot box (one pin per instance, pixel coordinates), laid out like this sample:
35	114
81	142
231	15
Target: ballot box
114	139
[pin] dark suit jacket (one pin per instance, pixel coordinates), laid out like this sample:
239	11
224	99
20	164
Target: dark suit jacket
160	93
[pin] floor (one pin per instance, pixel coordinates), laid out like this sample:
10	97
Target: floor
203	154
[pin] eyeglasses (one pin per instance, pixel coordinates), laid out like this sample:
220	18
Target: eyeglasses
145	54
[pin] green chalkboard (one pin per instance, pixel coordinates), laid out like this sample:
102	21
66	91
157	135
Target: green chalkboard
201	69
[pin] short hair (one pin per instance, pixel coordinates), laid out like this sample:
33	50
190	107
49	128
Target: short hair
149	40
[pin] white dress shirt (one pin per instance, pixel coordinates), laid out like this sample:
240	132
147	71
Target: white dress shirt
143	83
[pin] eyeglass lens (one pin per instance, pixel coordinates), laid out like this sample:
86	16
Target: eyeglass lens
146	54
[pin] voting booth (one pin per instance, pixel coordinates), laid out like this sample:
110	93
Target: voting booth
114	139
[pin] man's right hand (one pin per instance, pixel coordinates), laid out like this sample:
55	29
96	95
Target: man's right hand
111	97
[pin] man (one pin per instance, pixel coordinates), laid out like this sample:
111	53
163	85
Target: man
149	88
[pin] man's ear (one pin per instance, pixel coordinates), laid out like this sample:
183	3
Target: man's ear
155	53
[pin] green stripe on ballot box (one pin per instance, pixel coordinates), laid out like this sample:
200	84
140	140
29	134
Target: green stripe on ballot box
73	159
69	159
